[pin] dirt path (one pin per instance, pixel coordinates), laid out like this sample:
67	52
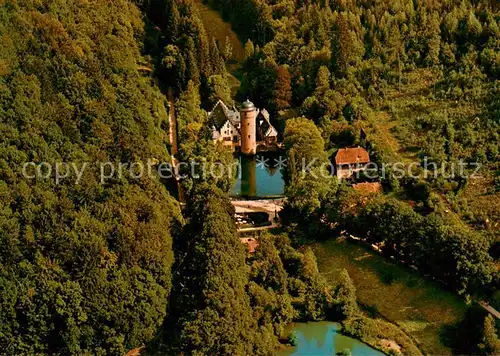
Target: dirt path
489	309
174	148
172	127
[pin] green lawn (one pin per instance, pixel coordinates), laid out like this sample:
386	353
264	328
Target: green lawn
419	307
218	28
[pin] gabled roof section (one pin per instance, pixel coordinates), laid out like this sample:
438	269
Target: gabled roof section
221	104
234	117
217	117
352	156
265	128
221	113
265	113
271	132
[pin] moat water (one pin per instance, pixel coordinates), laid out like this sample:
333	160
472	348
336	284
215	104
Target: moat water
323	338
259	177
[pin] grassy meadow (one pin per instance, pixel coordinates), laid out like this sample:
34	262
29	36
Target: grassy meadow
218	28
392	130
419	307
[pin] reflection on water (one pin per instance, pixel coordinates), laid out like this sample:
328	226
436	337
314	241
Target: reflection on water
260	176
323	338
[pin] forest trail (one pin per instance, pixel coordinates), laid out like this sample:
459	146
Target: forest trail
489	309
172	128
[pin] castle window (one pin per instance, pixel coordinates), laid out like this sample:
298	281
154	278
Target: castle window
248	136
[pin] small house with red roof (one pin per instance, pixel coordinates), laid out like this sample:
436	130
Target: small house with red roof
350	160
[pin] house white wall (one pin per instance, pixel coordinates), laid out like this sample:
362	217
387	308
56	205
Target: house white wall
228	131
347	170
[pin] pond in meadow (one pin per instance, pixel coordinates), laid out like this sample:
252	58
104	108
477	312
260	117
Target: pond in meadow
324	338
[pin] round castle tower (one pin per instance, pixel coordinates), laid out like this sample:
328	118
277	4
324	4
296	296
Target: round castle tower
248	128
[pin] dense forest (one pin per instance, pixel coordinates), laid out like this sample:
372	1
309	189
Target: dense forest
93	267
337	63
85	268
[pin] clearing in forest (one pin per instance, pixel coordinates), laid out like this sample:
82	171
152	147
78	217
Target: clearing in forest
220	29
394	130
419	307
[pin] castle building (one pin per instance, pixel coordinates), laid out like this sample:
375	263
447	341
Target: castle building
245	129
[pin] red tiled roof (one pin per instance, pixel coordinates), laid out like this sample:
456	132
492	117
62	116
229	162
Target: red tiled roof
251	243
135	352
352	156
368	187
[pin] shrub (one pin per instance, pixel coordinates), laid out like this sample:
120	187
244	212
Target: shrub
293	339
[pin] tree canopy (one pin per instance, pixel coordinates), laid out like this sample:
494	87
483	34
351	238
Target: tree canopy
84	268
